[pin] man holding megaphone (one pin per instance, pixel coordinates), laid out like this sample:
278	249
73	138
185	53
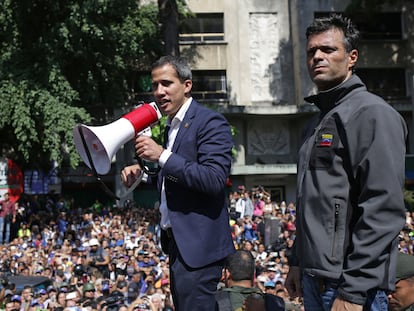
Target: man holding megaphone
195	162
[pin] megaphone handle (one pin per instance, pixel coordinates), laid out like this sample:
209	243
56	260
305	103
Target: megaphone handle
133	186
98	178
146	170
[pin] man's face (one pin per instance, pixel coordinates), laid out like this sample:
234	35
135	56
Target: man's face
90	293
403	296
26	294
70	302
169	91
47	272
45	296
9	306
329	64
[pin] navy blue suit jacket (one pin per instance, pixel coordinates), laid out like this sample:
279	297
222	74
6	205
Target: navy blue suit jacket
195	177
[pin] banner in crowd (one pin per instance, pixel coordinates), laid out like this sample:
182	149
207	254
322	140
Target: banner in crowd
39	182
11	179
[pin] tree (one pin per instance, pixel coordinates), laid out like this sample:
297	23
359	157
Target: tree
60	59
168	15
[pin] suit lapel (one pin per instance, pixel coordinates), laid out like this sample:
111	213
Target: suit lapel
185	125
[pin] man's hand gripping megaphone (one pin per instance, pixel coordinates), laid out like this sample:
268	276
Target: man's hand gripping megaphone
97	145
146	150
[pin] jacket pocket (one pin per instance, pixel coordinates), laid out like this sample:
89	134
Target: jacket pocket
325	145
338	229
322	158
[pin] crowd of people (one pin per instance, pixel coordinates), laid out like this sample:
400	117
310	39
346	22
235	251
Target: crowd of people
115	253
102	258
350	209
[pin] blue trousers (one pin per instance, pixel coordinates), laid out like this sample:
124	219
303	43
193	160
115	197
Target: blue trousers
315	299
192	288
4	227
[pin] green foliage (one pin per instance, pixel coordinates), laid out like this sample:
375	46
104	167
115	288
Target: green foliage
157	131
37	122
60	59
234	133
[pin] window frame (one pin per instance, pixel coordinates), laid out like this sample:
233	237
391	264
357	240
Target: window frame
197	29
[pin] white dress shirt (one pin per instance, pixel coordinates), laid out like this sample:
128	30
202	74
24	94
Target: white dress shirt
174	127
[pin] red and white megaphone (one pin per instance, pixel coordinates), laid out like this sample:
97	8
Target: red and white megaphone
102	142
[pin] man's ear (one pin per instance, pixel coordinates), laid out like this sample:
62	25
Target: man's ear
353	57
188	84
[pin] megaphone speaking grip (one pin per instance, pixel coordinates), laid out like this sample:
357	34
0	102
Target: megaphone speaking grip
148	115
102	142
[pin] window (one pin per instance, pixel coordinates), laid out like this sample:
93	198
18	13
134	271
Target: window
386	82
143	83
209	84
379	26
375	26
204	27
140	87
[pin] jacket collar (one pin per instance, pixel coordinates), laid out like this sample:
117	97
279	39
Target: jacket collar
327	100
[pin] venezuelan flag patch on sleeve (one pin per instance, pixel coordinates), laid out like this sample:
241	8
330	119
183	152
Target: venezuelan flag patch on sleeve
326	140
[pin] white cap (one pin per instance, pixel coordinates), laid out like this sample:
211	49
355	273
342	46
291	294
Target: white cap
93	242
71	295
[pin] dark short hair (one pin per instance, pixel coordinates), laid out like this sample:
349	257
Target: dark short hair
180	64
241	265
322	24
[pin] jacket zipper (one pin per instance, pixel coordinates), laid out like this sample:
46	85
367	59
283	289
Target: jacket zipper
336	220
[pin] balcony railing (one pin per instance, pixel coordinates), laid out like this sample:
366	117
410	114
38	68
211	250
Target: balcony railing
201	37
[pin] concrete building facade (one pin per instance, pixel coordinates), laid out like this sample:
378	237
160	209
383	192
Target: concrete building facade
249	62
256	49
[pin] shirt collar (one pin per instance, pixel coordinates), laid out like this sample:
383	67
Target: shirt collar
179	116
327	100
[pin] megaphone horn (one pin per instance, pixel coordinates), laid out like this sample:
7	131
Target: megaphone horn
104	141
